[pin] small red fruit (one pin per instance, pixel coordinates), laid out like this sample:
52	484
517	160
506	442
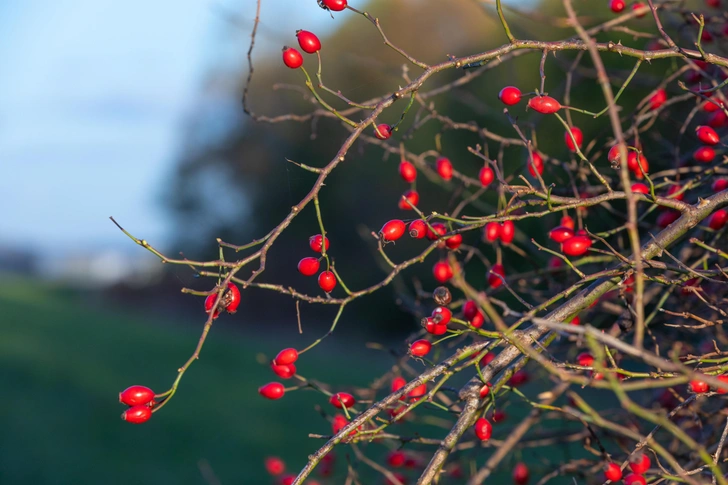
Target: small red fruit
398	383
338	423
335	5
434	328
724	379
292	58
711	106
274	465
420	348
383	131
567	221
719	185
578	136
308	41
616	5
418	391
718	219
576	246
417	229
493	280
668	217
407	171
441	315
713	3
585	359
640	188
483	429
704	154
232	297
519	378
510	95
472	314
308	266
210	302
707	135
486	176
396	459
575	321
492	231
136	395
392	230
674	189
639	463
537	165
699	387
454	242
318	242
411	198
613	472
634	162
561	234
487	359
327	281
442	271
544	105
634	479
507	232
484	391
520	474
137	414
283	371
718	119
660	96
272	390
341	399
438	229
613	155
286	357
444	168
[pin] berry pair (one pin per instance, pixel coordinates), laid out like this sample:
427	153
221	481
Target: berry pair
309	43
229	301
309	266
140	400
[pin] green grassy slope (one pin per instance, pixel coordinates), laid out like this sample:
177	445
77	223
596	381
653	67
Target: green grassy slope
63	362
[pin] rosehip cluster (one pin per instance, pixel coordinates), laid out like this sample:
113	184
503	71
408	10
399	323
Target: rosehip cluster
572	243
230	301
141	401
308	42
309	266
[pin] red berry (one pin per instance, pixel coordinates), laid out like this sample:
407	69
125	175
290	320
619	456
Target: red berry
576	246
567	221
392	230
518	378
411	197
507	232
707	135
616	5
483	429
561	234
418	229
720	185
711	106
484	391
444	168
308	41
292	58
713	3
232	297
442	271
418	391
274	465
441	315
640	188
283	371
338	423
634	162
544	105
272	390
341	399
498	416
698	387
668	217
454	242
434	328
660	96
585	359
578	136
398	383
472	314
420	348
510	95
137	414
555	262
704	154
407	171
718	219
308	266
438	229
487	359
613	472
396	459
327	281
639	463
286	357
136	395
718	119
520	474
318	242
486	176
335	5
492	231
210	302
634	479
493	280
613	155
674	189
724	379
383	131
537	164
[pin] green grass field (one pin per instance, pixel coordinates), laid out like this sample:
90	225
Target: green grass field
64	359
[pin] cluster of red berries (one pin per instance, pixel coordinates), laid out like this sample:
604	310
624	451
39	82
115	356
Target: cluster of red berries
701	387
141	401
284	367
308	42
505	231
309	266
277	467
436	323
573	243
618	5
230	301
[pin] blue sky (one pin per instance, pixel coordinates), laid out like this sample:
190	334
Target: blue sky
93	95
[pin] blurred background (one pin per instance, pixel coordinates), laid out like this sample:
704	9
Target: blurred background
132	109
